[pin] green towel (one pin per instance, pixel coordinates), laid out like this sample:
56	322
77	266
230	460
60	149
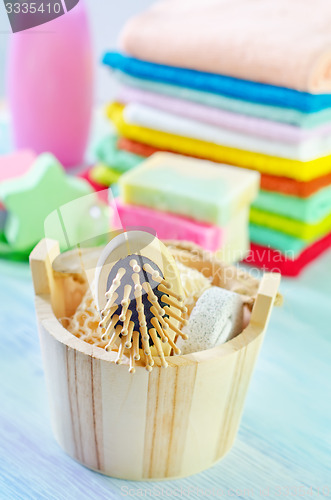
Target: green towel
311	210
291	227
288	245
118	160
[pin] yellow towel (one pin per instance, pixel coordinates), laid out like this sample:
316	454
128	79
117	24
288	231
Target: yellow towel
301	171
302	230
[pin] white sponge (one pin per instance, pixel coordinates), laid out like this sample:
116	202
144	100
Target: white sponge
216	318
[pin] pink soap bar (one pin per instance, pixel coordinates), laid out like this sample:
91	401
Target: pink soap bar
168	226
15	165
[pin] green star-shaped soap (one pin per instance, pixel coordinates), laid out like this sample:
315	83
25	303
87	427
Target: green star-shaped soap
32	197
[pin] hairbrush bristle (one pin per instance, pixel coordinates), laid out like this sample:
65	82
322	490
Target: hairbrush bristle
110	327
132	362
135	266
175	329
172	343
136	354
120	351
139	313
111	301
116	282
128	340
126	323
114	337
172	302
158	346
108	316
156	276
159	330
169	292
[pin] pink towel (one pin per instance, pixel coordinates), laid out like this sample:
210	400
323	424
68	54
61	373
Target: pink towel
278	42
215	116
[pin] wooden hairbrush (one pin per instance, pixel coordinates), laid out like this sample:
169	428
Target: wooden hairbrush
140	298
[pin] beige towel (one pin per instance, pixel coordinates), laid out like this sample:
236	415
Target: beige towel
280	42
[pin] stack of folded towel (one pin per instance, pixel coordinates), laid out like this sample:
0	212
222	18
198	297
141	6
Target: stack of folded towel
112	162
248	83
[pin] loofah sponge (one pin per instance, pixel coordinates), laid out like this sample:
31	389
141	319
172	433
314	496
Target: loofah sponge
194	284
85	322
216	318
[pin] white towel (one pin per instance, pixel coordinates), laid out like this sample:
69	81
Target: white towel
148	117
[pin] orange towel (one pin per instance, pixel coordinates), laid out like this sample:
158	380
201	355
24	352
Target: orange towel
292	187
279	42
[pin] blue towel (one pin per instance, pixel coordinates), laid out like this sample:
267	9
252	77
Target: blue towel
219	84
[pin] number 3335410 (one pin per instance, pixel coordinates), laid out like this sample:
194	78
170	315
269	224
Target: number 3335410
32	8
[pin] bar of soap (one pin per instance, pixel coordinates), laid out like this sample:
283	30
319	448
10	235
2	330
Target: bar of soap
168	226
236	239
14	165
199	189
216	318
32	197
3	218
104	175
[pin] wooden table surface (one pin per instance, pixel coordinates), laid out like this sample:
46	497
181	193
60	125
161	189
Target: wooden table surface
284	442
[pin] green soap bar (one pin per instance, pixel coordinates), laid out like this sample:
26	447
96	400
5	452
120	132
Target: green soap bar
3	218
104	175
285	243
32	197
108	153
7	252
311	209
199	189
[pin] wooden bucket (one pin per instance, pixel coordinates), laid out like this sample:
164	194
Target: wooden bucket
169	423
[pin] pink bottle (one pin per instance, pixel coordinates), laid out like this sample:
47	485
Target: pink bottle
50	77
